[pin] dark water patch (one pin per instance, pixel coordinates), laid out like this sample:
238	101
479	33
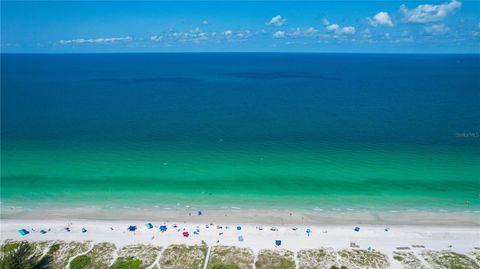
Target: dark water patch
282	75
257	185
145	80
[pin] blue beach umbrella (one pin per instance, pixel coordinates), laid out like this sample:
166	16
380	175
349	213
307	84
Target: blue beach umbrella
84	230
23	232
132	228
199	213
278	242
357	229
308	231
149	225
163	228
239	228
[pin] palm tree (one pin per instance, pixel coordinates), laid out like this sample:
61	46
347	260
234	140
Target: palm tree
23	257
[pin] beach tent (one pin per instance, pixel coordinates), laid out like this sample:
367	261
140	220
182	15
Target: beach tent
240	238
357	229
84	230
163	228
23	232
149	225
239	228
132	228
185	234
278	242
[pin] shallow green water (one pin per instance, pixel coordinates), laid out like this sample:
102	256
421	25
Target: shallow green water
222	175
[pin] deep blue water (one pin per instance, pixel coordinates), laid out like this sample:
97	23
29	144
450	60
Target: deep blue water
241	97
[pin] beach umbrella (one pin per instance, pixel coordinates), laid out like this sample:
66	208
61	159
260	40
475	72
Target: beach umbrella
357	229
199	213
185	234
23	232
84	230
239	228
240	238
308	231
149	225
43	231
163	228
132	228
278	242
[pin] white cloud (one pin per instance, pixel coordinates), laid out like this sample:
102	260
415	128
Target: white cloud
340	30
244	34
156	38
437	29
194	35
303	32
429	13
279	34
205	22
408	39
348	30
332	27
276	21
95	40
381	18
227	33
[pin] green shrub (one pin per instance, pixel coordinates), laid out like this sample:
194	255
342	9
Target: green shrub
54	248
126	263
80	262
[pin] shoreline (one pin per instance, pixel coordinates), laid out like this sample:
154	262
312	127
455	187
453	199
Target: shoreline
248	216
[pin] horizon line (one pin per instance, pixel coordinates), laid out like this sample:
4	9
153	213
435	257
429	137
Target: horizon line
246	52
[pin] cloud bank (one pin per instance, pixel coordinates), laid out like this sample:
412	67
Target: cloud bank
95	40
429	13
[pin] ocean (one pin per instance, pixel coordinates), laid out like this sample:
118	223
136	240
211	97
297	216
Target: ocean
295	131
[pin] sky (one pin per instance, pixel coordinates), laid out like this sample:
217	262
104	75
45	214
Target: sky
449	26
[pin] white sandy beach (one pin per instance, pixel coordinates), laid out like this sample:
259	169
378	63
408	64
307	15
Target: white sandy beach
462	239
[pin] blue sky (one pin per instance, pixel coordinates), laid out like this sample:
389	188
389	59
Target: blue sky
448	26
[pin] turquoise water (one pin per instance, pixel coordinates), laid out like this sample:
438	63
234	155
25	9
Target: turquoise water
296	131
